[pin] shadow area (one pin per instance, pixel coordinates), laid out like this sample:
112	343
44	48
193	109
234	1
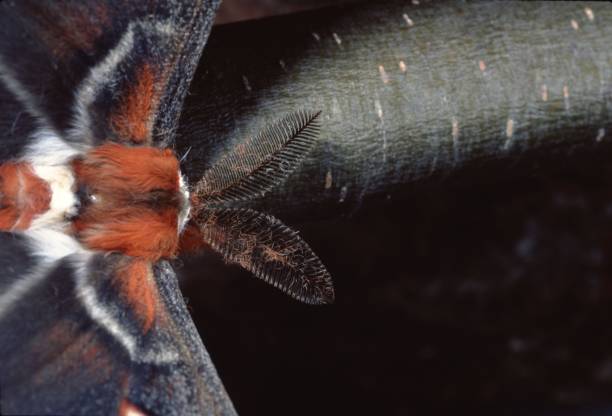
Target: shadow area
457	296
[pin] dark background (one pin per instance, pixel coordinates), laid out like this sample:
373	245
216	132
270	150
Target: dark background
238	10
465	293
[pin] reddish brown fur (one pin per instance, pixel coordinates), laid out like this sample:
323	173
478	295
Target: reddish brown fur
113	168
75	29
135	231
132	120
121	178
63	349
191	241
138	289
23	196
48	346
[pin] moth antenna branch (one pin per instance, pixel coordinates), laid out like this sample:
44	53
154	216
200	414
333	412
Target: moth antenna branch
260	163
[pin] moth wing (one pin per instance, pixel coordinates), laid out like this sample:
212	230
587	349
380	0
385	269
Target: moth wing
17	124
175	375
73	339
269	249
98	70
262	162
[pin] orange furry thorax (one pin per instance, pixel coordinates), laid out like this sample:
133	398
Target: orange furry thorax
130	200
133	201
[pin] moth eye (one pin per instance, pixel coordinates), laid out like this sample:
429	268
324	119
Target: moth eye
85	197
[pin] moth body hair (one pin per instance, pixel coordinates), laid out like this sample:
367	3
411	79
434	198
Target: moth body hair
139	201
49	149
185	208
51	245
50	157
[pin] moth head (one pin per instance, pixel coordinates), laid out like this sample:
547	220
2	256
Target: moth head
131	201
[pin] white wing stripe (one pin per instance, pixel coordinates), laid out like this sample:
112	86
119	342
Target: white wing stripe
99	75
98	312
48	246
21	94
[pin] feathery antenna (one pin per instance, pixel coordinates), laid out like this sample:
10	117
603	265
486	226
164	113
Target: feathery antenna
258	242
269	249
262	162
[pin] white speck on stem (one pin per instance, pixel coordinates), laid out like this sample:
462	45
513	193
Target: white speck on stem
600	134
379	111
509	133
343	192
337	39
328	179
434	163
246	83
509	128
335	107
316	36
408	20
282	65
482	66
455	129
383	74
402	66
566	96
574	24
589	13
416	2
455	134
544	92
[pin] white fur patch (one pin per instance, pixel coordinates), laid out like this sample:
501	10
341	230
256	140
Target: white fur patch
48	149
185	204
52	245
50	159
63	199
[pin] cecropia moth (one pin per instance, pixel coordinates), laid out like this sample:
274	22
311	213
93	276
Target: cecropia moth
93	208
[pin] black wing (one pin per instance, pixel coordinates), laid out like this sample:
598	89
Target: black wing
72	339
77	338
91	71
269	249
